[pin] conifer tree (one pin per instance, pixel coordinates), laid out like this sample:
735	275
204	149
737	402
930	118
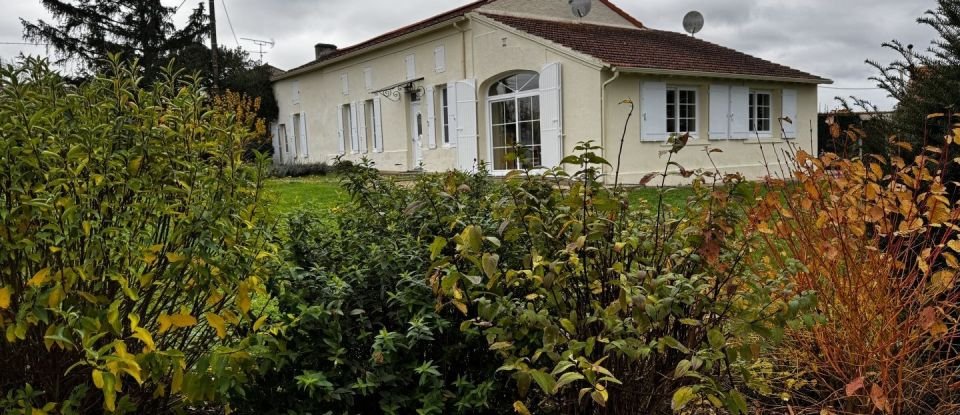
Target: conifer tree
86	31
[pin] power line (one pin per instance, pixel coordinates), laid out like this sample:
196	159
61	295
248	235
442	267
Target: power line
224	3
25	43
181	5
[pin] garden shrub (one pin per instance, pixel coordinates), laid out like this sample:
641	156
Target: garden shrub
132	244
363	333
596	306
877	240
546	293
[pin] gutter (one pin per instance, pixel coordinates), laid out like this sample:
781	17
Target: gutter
603	105
704	74
311	67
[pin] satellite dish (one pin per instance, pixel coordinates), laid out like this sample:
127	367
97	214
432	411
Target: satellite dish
693	22
581	8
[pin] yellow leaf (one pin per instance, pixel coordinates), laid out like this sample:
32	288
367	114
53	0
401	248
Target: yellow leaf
520	408
259	323
460	306
175	321
39	278
177	381
143	335
243	298
98	378
5	297
217	323
954	245
56	297
174	257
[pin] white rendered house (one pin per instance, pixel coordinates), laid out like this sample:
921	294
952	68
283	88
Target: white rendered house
474	84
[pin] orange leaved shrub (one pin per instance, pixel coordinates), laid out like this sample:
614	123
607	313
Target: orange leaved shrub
877	240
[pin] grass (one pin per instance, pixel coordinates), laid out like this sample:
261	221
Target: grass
323	192
319	192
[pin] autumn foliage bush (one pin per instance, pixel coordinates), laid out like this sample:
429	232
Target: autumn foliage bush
133	243
877	240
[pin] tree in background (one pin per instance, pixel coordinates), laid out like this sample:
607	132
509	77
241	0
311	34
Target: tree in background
925	83
87	31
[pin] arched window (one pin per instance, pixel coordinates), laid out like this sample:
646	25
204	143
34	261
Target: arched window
514	105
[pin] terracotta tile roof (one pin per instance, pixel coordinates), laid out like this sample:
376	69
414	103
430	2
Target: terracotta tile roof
423	24
651	49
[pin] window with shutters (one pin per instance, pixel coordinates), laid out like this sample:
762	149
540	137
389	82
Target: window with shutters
760	111
284	142
349	125
444	114
515	122
370	124
681	110
296	134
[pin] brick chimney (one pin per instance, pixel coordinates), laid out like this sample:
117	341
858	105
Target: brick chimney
323	50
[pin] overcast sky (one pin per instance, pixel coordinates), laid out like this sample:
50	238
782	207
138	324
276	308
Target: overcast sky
829	38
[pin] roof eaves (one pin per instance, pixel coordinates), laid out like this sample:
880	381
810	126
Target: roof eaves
724	75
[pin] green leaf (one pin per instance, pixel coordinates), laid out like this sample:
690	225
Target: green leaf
736	403
674	344
567	378
437	246
716	339
682	397
546	382
490	262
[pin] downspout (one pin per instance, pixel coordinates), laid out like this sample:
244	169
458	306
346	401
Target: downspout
463	47
603	112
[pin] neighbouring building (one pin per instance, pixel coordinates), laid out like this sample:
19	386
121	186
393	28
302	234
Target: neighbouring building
473	84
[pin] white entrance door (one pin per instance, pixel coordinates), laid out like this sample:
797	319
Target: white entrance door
416	135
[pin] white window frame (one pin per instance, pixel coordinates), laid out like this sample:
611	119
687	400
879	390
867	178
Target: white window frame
515	97
348	127
285	143
752	110
297	132
345	84
677	89
444	108
370	124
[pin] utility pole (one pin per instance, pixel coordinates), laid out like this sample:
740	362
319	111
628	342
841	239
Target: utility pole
214	48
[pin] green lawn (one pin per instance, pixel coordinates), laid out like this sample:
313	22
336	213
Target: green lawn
324	193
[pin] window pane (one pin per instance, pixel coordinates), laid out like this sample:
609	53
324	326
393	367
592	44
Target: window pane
526	134
526	108
536	108
497	112
499	136
510	111
500	159
671	96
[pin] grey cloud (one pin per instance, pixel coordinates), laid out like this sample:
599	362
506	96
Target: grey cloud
830	38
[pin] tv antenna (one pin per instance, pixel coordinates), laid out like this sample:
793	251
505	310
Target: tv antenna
260	44
581	8
693	22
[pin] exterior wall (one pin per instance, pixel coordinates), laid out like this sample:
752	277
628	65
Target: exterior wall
497	53
321	93
485	51
600	14
744	156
